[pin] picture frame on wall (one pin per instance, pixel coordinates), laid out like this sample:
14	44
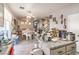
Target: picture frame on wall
54	20
1	15
61	18
64	23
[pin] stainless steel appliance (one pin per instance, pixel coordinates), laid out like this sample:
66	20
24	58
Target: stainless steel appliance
70	36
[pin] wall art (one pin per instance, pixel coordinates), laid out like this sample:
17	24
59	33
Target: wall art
1	15
61	18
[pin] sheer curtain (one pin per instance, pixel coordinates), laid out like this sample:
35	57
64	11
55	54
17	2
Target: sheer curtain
7	23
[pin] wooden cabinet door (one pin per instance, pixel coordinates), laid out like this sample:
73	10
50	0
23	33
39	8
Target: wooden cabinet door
71	47
58	51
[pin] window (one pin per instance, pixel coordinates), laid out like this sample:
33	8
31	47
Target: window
7	23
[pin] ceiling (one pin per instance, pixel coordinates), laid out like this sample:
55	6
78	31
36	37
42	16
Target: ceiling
37	9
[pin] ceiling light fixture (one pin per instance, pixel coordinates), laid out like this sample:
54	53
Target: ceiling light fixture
29	23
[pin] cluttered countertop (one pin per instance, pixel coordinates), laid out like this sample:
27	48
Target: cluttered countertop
46	46
58	43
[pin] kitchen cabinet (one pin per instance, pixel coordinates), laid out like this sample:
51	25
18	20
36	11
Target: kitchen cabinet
70	53
57	51
68	49
71	49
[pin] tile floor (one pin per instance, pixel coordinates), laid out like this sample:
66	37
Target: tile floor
24	48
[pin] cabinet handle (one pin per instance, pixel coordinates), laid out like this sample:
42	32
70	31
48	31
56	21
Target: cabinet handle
60	51
72	47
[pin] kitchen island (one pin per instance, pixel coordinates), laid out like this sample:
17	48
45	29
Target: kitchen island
59	48
50	48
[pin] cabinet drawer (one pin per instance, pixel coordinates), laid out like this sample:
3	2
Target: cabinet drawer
71	47
57	51
71	52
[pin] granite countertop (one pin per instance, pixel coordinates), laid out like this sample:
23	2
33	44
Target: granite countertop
46	46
